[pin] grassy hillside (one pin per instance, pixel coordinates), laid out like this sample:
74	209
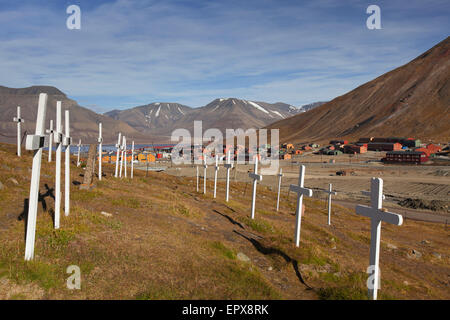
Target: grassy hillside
165	241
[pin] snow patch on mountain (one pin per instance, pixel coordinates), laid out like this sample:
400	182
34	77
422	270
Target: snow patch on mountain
277	113
257	106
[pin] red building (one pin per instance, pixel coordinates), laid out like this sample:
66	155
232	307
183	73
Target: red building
434	148
414	157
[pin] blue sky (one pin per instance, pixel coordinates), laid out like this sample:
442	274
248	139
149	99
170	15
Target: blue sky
131	53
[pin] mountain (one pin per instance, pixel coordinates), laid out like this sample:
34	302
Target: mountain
307	107
151	118
233	113
222	113
83	122
410	101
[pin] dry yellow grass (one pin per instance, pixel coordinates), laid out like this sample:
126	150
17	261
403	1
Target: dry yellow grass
165	241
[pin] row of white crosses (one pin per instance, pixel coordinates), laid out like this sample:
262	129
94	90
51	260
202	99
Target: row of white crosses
375	211
122	154
36	143
228	165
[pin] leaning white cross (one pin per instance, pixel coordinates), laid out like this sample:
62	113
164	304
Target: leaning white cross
330	193
36	143
132	159
58	137
19	121
117	156
100	151
279	187
301	191
50	142
228	165
256	177
67	141
216	167
205	166
377	214
78	156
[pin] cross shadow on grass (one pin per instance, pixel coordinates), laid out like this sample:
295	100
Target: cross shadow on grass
41	198
230	219
269	251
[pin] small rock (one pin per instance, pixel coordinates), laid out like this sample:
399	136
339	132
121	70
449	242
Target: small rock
106	214
242	257
333	248
391	246
14	181
406	283
437	255
425	242
270	268
414	254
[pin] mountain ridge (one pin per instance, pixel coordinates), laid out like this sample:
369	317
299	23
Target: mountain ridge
412	100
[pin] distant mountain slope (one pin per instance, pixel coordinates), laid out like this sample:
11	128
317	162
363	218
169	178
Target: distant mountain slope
222	113
156	117
411	101
233	113
310	106
84	122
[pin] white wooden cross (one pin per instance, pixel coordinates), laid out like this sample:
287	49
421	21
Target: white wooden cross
256	177
125	154
50	142
228	165
122	149
301	191
78	156
35	142
279	187
330	193
197	178
132	159
377	214
67	141
117	156
58	137
368	193
19	121
216	167
100	151
205	166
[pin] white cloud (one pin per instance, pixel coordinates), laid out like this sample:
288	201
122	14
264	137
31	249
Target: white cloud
296	53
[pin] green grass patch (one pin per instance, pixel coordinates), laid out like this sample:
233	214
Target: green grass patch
348	287
257	225
126	202
86	195
223	250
